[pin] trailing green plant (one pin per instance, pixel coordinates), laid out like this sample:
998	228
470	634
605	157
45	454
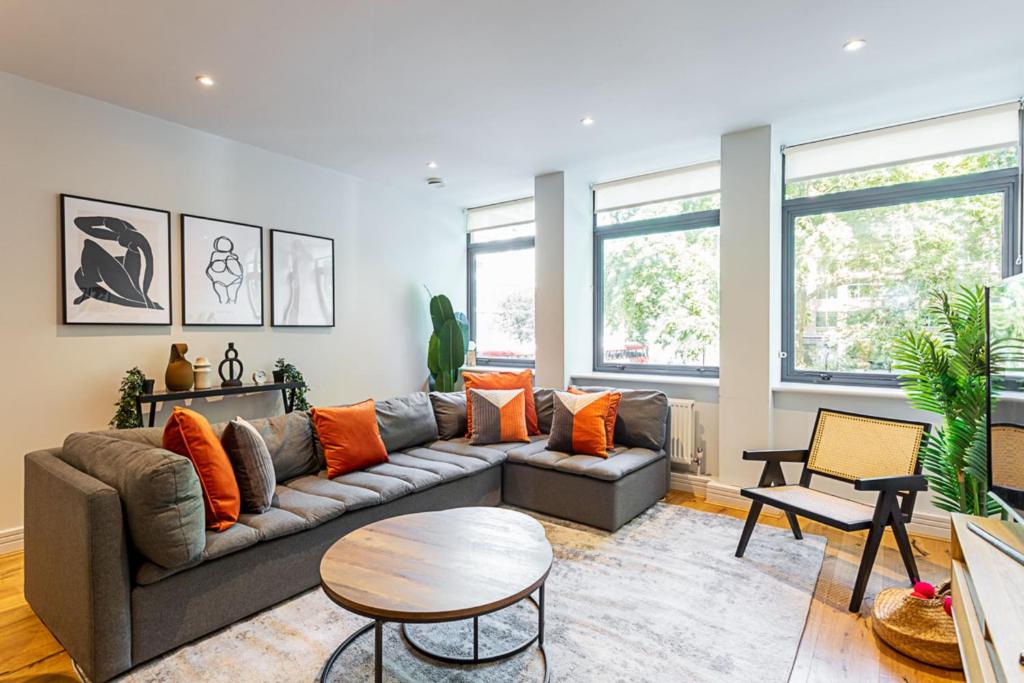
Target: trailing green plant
448	344
292	374
944	372
127	415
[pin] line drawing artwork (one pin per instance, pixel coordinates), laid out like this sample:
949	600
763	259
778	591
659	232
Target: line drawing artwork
118	280
225	270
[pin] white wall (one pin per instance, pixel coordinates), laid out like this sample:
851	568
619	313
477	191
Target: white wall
59	379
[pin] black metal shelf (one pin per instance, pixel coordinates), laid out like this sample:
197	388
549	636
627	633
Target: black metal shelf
287	390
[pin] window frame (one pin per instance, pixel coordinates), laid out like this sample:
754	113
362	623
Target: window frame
650	226
999	181
497	246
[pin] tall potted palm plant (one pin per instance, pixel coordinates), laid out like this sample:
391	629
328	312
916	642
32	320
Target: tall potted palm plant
944	371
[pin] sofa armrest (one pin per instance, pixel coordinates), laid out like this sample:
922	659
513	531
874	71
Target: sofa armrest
909	482
76	564
787	455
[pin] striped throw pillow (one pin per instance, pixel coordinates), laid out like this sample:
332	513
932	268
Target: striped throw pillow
499	415
578	424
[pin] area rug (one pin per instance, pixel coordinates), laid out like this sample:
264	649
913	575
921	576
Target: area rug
661	599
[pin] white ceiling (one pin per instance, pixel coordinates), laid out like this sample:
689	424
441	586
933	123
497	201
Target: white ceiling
493	90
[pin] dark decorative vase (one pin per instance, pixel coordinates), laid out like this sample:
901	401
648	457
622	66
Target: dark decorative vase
278	376
233	377
148	386
179	371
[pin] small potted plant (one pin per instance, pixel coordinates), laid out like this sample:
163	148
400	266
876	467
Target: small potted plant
286	372
127	415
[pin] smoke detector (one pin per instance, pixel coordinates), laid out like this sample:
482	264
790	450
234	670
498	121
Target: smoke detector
435	182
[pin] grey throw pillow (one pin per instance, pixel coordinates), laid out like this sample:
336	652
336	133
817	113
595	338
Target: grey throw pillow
406	421
250	459
544	400
450	413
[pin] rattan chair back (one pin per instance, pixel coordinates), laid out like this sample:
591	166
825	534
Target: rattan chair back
1008	455
850	447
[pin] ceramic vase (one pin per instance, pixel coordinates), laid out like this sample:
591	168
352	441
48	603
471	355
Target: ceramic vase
179	371
202	373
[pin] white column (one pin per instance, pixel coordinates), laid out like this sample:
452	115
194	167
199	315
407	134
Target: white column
750	312
564	303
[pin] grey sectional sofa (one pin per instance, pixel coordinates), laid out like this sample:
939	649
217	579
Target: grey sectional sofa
120	567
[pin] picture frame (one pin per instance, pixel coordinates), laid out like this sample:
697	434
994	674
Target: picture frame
301	280
221	272
115	263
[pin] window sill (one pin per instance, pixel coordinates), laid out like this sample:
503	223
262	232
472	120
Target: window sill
681	380
495	368
839	390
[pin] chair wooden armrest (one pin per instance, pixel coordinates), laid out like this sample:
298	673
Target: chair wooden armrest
909	482
777	455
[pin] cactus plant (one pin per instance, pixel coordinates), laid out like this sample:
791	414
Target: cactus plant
449	342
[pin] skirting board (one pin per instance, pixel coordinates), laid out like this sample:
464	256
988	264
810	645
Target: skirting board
931	524
11	540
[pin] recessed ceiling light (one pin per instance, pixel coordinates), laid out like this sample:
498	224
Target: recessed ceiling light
204	80
587	121
431	164
855	44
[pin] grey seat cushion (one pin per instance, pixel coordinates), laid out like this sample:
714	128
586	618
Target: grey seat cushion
450	413
614	467
352	497
620	461
445	459
218	544
274	523
416	477
315	510
642	418
406	421
160	492
387	486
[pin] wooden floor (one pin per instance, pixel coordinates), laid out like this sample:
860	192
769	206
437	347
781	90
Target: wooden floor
836	646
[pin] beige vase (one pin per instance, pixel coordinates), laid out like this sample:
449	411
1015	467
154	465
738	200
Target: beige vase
179	371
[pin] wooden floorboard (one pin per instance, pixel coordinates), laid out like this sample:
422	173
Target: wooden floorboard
837	646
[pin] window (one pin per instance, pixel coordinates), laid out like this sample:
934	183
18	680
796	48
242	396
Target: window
501	282
874	222
656	273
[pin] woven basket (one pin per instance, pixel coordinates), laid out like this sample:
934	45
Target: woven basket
918	628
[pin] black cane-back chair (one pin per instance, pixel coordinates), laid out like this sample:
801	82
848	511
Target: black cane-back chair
873	454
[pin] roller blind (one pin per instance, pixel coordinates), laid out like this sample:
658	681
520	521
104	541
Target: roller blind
678	183
505	214
973	131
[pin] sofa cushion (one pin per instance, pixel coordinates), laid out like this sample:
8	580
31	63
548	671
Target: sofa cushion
492	453
416	477
188	433
160	492
289	439
387	486
467	464
352	497
499	415
254	469
450	413
536	454
218	544
617	465
642	419
503	380
274	523
445	470
544	400
315	510
580	422
406	421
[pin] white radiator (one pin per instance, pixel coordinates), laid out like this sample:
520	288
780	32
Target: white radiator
682	447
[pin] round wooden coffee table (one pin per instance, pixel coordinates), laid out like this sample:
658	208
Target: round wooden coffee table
433	567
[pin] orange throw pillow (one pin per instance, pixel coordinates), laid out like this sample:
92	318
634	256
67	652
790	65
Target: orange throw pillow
500	416
188	433
502	380
613	412
350	437
578	423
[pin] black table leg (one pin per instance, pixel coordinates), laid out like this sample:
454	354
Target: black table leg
152	414
540	618
476	638
378	654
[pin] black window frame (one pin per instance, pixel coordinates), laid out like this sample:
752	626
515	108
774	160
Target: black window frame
651	226
472	250
1000	181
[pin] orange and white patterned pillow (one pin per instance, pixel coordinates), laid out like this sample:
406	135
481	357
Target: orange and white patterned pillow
499	415
578	424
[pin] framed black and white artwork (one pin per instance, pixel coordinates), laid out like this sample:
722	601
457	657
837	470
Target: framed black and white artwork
301	280
116	263
221	272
